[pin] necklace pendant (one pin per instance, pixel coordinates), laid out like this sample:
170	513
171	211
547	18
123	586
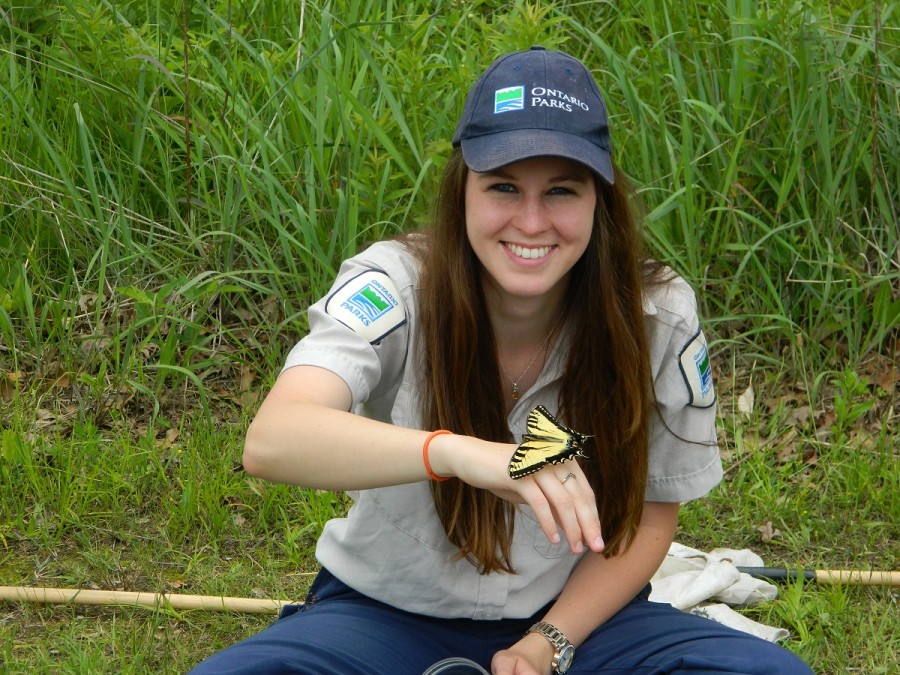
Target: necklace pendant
515	391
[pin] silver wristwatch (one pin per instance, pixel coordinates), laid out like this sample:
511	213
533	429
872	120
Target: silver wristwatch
565	651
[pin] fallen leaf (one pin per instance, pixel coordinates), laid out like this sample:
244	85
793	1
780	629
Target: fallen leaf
746	400
810	456
802	414
169	439
786	454
269	308
887	378
248	375
44	418
61	382
87	302
827	420
767	532
787	451
7	390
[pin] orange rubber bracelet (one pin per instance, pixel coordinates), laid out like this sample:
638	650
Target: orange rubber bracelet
432	474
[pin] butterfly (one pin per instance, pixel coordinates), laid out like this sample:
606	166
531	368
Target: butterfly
545	441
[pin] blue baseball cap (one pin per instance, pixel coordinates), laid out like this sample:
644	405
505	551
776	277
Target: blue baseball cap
535	103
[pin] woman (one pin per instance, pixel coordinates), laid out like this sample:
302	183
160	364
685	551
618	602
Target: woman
530	289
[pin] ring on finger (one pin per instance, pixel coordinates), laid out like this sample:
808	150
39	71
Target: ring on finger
570	475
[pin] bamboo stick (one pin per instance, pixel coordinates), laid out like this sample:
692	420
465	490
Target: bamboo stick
80	596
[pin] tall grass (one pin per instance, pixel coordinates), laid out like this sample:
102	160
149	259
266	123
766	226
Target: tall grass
245	149
761	136
180	178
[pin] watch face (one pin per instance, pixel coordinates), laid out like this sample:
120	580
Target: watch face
566	656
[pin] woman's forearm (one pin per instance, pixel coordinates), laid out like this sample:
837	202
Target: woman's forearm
599	587
303	434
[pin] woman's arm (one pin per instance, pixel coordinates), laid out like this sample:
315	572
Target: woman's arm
598	588
304	435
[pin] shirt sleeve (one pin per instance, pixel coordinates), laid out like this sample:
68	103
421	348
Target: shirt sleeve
684	453
359	330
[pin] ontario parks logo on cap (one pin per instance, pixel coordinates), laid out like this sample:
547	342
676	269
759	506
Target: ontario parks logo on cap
508	99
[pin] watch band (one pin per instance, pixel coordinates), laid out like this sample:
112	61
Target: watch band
565	651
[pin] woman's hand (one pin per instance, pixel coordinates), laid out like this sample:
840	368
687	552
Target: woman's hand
561	498
532	655
559	494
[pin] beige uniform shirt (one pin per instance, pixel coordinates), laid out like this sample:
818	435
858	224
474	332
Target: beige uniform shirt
391	546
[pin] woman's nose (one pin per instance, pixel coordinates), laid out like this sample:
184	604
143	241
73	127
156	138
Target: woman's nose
532	219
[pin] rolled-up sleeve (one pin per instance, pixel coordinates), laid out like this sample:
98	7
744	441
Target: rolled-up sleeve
359	330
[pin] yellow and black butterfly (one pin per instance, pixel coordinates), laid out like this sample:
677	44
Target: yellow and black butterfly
545	441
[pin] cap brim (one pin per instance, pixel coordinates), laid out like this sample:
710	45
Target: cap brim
490	152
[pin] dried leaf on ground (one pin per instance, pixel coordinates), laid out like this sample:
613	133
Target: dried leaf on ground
767	532
8	382
169	439
746	401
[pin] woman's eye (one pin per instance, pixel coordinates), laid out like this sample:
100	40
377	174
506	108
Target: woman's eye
561	191
503	187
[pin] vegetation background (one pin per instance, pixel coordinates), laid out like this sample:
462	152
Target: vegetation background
180	178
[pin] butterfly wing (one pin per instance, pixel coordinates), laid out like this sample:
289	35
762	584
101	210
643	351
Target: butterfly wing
546	441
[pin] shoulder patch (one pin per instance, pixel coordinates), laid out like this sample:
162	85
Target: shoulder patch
697	372
368	304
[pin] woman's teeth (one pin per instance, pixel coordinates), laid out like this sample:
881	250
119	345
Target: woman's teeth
529	253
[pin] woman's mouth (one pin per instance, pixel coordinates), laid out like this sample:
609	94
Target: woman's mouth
528	253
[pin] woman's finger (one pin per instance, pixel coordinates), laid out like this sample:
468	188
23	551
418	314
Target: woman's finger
572	503
563	504
532	494
559	495
585	507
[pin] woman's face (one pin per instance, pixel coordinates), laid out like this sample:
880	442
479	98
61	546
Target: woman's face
529	223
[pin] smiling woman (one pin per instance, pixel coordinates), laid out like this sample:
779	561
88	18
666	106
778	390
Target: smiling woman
533	265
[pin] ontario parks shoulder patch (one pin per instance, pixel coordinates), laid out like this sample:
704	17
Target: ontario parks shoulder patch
697	372
368	304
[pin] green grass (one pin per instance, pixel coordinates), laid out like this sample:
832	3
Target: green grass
180	179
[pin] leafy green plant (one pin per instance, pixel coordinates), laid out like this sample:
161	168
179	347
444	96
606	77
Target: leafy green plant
181	179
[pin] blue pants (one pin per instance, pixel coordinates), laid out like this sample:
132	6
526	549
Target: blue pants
339	631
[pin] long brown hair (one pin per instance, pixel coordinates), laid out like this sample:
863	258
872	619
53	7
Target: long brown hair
606	386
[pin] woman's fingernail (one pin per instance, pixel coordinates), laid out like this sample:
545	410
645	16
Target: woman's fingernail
598	543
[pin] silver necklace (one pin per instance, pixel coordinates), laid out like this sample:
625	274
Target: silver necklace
515	384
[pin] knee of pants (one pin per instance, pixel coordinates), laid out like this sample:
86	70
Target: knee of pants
651	637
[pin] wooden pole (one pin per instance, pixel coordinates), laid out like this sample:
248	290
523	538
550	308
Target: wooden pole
79	596
838	577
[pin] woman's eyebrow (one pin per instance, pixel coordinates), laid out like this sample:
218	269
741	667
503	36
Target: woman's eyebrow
580	177
495	173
